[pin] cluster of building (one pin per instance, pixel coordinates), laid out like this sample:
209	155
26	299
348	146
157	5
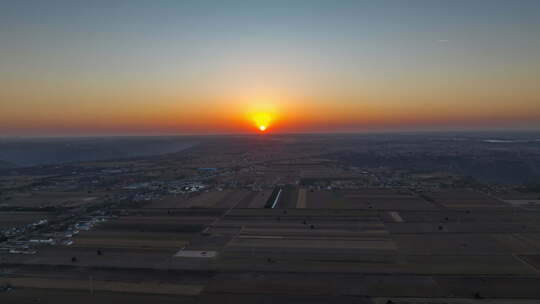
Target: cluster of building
29	242
18	230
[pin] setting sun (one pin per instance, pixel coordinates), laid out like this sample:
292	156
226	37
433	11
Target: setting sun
262	121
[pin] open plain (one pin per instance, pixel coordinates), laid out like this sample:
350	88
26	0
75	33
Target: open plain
257	223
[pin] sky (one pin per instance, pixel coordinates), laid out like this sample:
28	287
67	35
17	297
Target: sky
188	67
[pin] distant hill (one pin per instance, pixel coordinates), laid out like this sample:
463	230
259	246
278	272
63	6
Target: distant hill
6	165
43	151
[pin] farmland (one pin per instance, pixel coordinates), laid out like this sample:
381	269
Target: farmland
260	223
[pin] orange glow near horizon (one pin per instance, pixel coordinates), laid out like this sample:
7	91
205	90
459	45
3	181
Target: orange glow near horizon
262	120
182	67
257	112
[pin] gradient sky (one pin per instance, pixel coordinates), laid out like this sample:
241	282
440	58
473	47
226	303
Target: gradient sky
151	67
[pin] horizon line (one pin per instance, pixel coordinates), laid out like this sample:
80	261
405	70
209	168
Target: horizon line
367	132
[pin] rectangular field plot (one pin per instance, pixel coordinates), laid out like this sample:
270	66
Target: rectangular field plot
172	202
387	199
195	254
466	265
286	284
49	295
366	244
377	230
380	199
129	243
114	258
440	244
212	199
328	200
519	243
403	286
301	202
496	287
254	199
108	286
246	200
463	199
303	213
162	224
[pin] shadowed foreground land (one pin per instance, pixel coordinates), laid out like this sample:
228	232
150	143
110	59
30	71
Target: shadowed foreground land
273	219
